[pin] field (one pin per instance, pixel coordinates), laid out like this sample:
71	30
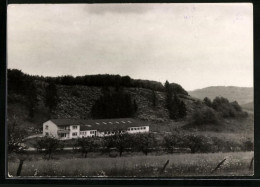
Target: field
183	164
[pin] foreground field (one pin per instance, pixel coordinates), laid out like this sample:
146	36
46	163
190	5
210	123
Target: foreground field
236	164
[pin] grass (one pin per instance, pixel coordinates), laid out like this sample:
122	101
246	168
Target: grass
236	164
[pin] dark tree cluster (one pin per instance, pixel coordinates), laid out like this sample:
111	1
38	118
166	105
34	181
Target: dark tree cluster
177	108
51	96
205	116
23	84
114	105
100	80
225	108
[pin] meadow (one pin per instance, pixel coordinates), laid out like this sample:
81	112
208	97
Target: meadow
181	164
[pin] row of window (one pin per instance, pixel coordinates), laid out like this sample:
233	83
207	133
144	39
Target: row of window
109	132
84	132
136	128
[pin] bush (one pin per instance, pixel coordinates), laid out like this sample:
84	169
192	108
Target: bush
248	145
144	142
174	140
198	143
204	116
227	109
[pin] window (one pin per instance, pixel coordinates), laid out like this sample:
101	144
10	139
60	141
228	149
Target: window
46	134
46	127
144	127
75	127
135	129
117	122
110	122
104	123
122	121
132	129
74	134
97	123
129	122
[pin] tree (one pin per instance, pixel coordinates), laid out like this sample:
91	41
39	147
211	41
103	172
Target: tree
119	141
16	136
173	140
144	142
51	97
177	108
114	105
154	99
204	116
86	145
32	99
207	101
49	145
197	143
182	109
168	95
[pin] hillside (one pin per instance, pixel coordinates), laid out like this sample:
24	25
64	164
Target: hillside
77	96
242	95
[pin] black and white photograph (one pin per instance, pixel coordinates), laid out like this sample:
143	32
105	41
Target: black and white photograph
130	90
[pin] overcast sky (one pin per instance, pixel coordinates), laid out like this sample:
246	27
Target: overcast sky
195	45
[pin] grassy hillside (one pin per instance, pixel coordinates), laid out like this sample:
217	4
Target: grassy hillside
240	94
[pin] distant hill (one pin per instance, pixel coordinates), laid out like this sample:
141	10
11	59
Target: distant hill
248	106
242	95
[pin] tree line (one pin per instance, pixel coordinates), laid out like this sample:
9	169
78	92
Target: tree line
99	80
146	143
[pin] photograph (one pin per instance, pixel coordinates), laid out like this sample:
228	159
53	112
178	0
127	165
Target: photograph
130	90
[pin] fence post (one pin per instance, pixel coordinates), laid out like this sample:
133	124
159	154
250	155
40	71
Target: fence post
164	166
251	163
218	166
20	167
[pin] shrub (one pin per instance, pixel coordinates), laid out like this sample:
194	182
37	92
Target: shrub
248	145
172	141
144	142
198	143
204	116
49	145
227	109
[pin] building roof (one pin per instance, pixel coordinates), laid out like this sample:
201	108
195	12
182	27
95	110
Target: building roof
101	124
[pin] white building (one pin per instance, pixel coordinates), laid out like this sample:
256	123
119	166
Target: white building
74	128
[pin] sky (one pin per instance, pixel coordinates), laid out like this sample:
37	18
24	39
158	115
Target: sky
194	45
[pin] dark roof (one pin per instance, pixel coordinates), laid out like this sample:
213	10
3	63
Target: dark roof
101	124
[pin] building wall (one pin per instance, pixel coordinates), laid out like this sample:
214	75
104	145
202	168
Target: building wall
88	133
52	129
74	131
